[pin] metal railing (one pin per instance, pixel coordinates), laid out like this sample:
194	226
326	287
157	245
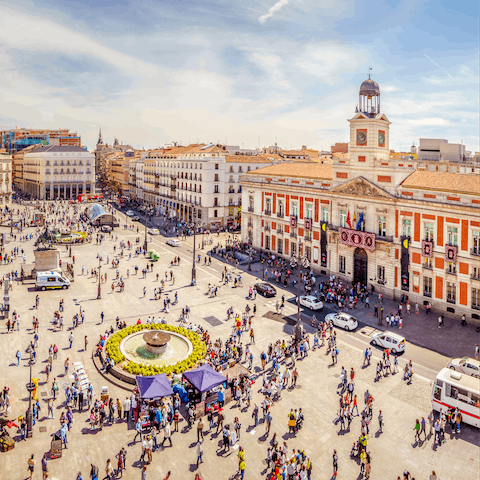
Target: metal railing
452	271
427	294
474	276
280	214
251	209
266	228
267	212
475	251
384	238
451	300
427	265
332	227
293	234
280	231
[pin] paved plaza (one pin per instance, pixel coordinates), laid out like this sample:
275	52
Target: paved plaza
392	450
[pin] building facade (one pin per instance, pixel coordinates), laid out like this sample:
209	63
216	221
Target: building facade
16	139
58	172
5	178
402	225
197	181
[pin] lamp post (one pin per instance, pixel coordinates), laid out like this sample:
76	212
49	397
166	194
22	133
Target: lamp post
194	272
30	388
145	246
299	261
99	294
380	311
11	223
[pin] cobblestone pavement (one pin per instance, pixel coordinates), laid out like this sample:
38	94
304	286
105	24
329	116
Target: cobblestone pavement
392	451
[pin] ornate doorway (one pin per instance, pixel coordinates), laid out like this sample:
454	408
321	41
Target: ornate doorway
360	266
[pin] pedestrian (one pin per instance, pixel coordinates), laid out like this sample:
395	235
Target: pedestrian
380	421
464	321
144	472
335	463
199	430
167	434
477	351
199	452
31	465
423	429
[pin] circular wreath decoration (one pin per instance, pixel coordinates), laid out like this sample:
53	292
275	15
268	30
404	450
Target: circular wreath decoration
113	350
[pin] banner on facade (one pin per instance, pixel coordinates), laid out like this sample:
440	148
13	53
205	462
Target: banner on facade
427	249
354	238
451	253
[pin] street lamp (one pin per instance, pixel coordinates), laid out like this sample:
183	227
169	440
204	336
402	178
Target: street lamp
194	272
145	242
300	261
99	294
30	388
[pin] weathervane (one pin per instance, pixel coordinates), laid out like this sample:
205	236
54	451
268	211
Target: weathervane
369	72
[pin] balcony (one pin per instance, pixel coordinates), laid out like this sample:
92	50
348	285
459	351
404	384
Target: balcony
475	307
308	237
293	235
426	293
266	228
280	214
251	209
231	180
267	212
250	224
474	276
475	251
384	238
332	227
231	190
428	266
452	271
451	300
280	231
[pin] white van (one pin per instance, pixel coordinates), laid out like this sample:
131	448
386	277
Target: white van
49	280
393	341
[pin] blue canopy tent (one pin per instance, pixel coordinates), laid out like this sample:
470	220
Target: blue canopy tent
204	378
157	386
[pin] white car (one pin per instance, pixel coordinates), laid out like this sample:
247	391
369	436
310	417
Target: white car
153	231
468	366
342	320
173	242
311	302
392	341
129	213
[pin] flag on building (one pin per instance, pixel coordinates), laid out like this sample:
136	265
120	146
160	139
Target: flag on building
354	221
349	223
360	221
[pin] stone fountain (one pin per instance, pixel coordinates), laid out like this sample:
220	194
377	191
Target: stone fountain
156	342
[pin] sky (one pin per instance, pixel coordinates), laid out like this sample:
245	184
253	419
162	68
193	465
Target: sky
242	73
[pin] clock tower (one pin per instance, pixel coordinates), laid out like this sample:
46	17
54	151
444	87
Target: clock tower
369	129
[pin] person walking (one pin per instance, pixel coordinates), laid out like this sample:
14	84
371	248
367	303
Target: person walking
380	421
199	452
335	463
31	465
423	423
167	434
268	423
199	430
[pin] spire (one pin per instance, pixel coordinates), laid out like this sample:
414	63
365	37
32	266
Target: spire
369	72
100	141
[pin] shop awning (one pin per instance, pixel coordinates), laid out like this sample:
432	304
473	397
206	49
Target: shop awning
157	386
204	378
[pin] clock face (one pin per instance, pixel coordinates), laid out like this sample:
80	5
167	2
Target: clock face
381	138
361	138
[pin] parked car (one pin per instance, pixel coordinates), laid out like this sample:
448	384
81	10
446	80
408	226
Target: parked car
393	341
342	320
266	289
129	213
173	242
106	228
153	231
135	218
311	302
468	366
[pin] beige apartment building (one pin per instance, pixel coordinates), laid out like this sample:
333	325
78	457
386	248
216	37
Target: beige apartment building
5	178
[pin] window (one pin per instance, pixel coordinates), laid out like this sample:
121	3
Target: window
309	211
215	202
451	267
427	286
406	227
216	166
215	213
382	226
248	168
476	243
268	206
280	246
381	273
429	232
267	242
216	177
293	249
231	168
451	292
240	169
281	208
343	218
295	208
325	214
308	252
341	264
251	203
476	298
200	166
452	235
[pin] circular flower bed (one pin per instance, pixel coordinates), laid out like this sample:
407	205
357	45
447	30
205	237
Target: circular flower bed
113	351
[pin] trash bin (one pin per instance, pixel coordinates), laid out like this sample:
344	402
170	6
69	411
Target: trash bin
56	446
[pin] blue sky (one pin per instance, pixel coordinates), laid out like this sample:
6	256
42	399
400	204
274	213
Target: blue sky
153	72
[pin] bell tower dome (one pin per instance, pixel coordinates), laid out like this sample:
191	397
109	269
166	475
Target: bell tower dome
369	97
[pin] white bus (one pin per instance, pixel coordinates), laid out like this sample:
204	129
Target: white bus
453	389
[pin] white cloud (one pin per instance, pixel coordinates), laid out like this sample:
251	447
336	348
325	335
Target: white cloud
429	121
272	10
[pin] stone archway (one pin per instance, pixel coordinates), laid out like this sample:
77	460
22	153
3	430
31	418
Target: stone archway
360	266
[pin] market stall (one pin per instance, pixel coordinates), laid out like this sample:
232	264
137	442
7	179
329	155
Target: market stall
6	441
207	390
151	391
